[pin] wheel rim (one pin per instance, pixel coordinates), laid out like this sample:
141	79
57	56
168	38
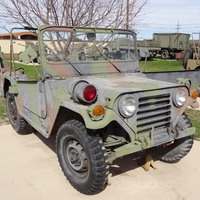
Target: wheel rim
12	111
76	156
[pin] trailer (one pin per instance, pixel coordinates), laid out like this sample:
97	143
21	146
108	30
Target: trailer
166	44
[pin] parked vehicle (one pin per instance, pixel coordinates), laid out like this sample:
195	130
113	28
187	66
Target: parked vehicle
100	109
166	44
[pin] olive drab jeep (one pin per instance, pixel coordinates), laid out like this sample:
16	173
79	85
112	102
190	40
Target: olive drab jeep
96	100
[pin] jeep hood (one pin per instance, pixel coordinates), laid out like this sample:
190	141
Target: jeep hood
127	83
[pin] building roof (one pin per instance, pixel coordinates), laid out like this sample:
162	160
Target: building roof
16	35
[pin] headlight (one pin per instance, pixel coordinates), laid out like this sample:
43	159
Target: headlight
127	106
180	97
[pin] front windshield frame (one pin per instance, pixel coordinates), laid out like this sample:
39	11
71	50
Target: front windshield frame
89	45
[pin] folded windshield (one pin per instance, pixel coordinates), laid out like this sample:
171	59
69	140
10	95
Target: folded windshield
61	46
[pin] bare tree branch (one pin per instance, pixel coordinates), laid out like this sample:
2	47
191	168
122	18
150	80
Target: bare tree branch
96	13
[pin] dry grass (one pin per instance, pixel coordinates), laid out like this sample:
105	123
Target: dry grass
3	114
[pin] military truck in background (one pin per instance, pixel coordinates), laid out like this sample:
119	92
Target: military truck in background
166	44
100	109
120	47
153	47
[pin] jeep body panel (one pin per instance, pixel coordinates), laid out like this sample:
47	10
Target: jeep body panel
40	103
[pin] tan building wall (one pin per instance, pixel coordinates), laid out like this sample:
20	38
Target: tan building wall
19	45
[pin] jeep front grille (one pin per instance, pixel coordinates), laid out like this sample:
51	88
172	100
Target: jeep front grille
153	111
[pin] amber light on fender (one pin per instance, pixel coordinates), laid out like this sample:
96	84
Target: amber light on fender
195	94
98	110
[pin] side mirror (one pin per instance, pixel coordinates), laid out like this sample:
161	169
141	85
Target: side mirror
144	52
28	55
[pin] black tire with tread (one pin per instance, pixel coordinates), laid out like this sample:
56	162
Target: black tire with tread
188	55
94	179
18	123
165	54
174	152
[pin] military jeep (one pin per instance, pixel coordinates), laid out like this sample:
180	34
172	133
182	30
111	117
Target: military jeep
100	109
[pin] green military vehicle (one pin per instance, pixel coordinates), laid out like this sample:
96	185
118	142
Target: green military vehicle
166	44
152	45
120	47
172	43
100	109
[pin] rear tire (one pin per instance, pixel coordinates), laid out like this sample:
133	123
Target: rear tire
82	157
174	152
18	123
165	54
118	55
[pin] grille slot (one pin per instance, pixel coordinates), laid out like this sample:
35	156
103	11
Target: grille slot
154	111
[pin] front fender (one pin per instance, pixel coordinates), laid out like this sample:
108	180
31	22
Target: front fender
108	117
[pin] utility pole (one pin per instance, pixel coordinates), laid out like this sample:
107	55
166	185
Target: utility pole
178	27
127	14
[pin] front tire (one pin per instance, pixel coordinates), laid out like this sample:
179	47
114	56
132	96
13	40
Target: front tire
175	151
18	123
82	158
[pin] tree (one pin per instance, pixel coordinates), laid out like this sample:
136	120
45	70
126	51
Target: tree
94	13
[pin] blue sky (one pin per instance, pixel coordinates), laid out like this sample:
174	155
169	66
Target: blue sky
163	16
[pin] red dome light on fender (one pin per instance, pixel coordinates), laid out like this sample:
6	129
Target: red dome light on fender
89	93
84	92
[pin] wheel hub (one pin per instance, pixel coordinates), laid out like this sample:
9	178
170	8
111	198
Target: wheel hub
13	111
76	157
